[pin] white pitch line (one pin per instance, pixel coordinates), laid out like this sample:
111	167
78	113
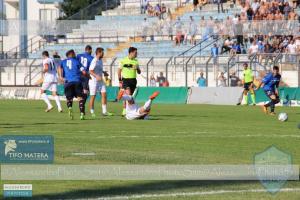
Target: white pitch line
189	194
197	136
84	154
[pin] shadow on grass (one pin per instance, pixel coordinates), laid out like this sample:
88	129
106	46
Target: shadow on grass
143	188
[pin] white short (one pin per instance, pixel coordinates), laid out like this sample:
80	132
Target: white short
96	87
133	112
51	86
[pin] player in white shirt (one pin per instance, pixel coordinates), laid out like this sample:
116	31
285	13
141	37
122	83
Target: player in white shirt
96	83
49	82
133	111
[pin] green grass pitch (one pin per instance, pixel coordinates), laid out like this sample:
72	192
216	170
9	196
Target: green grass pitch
176	134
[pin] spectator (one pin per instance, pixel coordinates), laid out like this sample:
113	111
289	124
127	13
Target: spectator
152	81
236	48
192	31
201	81
145	29
253	49
57	59
221	82
163	11
234	80
150	10
214	53
227	45
179	33
161	79
220	5
157	10
195	3
144	6
107	80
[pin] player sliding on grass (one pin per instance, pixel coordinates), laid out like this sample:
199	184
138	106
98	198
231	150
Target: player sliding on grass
270	84
50	82
96	83
133	111
248	85
70	71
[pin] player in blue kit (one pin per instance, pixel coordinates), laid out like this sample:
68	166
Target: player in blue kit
70	72
85	59
270	84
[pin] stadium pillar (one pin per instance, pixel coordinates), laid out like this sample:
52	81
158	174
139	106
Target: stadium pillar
23	30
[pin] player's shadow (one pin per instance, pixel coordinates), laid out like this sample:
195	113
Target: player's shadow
143	188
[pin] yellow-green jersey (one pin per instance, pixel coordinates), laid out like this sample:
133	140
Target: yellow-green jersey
129	67
248	76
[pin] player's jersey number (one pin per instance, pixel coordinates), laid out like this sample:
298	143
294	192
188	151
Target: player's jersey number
69	64
84	62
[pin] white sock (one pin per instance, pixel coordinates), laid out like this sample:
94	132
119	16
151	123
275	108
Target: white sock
92	111
46	100
104	109
147	105
58	102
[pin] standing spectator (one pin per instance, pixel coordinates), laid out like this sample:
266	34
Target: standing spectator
106	80
144	6
178	27
195	3
220	4
163	11
161	79
286	10
221	82
214	53
192	31
201	81
291	49
145	29
56	59
157	10
234	80
152	81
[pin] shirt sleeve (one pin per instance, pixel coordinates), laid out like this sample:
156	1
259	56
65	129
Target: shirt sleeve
93	65
267	78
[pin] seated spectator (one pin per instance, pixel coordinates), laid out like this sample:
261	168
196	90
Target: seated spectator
236	48
150	10
253	49
161	79
214	53
226	46
201	81
234	80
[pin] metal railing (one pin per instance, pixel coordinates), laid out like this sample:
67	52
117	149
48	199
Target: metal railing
25	72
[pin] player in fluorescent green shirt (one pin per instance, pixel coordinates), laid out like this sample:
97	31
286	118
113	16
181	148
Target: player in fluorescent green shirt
248	85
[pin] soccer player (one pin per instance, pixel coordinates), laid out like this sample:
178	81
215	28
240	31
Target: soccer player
270	84
50	82
133	111
127	72
248	85
96	83
70	71
85	59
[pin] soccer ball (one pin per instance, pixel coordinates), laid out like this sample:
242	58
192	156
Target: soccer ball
283	117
